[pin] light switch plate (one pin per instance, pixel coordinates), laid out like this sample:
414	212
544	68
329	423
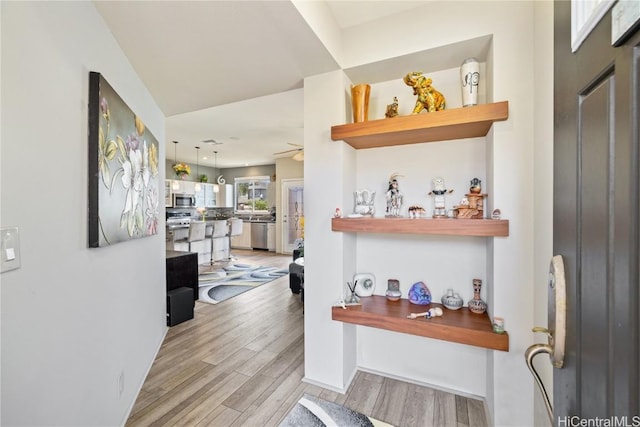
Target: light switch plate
9	249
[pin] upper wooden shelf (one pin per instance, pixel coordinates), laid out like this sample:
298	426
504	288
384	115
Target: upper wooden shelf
457	123
444	226
461	326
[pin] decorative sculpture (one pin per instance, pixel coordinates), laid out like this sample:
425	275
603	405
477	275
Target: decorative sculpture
363	202
428	98
472	205
439	191
393	196
419	294
392	109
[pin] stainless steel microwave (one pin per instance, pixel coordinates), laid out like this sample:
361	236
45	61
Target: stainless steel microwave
184	201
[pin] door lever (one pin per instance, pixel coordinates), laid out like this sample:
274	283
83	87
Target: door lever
532	352
556	332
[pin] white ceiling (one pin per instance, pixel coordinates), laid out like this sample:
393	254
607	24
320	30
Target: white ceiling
230	71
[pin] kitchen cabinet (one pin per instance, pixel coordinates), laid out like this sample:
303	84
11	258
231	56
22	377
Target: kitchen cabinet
469	122
184	187
271	237
206	197
224	198
242	241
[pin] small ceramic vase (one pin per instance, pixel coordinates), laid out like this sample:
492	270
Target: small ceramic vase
452	301
419	294
393	290
469	79
360	102
476	305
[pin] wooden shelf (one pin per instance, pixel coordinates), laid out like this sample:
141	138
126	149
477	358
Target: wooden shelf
457	123
461	326
444	226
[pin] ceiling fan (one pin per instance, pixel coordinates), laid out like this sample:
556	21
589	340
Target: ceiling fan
299	152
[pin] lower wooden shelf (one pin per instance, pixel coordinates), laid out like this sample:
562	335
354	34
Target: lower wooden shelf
461	326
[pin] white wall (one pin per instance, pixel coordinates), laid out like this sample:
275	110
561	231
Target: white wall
510	175
73	319
543	190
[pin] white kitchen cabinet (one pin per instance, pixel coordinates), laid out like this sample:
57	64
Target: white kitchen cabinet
271	237
206	197
242	241
184	187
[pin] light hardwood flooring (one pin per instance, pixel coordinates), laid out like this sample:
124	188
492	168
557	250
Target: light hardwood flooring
241	363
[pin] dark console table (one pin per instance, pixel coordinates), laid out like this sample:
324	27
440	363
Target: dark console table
182	270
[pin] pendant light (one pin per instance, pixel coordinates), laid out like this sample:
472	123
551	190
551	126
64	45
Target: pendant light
216	187
175	185
197	186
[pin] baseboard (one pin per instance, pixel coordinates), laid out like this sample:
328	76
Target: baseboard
144	378
328	386
424	384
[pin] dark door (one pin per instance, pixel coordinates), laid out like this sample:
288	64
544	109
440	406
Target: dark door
596	220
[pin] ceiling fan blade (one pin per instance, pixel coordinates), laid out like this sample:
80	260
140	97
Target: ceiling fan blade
295	145
288	151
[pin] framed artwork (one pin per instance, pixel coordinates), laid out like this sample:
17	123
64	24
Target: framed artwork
123	170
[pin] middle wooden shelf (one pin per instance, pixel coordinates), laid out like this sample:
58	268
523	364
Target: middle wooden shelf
444	226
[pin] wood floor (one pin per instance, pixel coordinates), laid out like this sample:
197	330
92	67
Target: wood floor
241	362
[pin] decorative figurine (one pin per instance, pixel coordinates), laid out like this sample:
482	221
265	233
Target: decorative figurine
476	305
419	294
392	109
451	300
476	187
496	214
416	211
472	205
428	98
439	191
433	312
365	284
393	196
393	290
337	213
363	202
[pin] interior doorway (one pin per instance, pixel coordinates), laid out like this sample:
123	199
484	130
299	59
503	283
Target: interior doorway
292	213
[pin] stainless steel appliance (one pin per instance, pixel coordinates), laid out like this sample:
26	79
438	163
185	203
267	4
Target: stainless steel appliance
259	235
184	200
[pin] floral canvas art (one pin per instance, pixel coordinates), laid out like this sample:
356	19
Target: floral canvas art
123	169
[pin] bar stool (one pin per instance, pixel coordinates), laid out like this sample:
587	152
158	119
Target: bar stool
197	231
220	229
235	229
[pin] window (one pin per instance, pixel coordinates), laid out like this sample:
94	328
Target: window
252	194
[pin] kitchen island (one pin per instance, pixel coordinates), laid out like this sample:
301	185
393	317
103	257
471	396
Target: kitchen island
218	246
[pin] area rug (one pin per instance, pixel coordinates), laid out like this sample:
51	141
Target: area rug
234	279
311	412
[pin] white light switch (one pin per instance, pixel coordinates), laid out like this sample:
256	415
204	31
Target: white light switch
9	249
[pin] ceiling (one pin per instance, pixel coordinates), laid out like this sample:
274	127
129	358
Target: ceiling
230	71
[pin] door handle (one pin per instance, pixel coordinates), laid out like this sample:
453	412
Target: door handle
556	333
532	352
